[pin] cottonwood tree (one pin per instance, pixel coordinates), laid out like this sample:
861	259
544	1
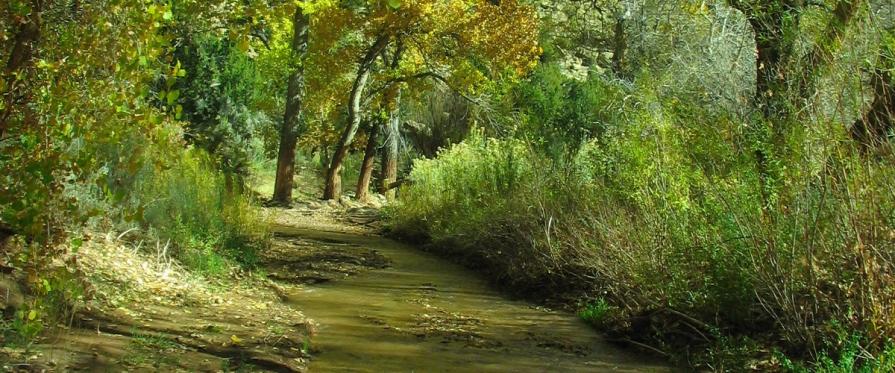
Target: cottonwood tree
292	119
463	44
366	168
774	23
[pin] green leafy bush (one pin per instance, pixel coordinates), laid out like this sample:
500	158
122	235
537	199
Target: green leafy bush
226	101
562	113
190	205
596	312
669	221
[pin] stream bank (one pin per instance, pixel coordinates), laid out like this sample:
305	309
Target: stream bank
334	296
386	306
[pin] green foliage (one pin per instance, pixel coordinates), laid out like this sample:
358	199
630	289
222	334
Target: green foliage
710	198
190	205
90	139
595	312
666	216
563	113
225	101
66	105
22	329
56	296
465	186
850	357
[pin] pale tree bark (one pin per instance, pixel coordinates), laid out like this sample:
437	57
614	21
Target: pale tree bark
771	20
823	51
292	119
390	150
366	168
333	187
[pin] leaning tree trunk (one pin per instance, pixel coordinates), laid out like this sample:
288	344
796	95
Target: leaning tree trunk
25	41
823	51
333	187
366	168
768	19
292	119
390	151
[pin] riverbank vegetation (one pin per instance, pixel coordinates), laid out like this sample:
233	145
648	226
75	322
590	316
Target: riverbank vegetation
684	205
710	181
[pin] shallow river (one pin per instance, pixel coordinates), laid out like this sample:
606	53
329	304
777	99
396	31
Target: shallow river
425	314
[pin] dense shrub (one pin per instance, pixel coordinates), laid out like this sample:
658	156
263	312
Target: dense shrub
666	223
225	101
190	205
562	113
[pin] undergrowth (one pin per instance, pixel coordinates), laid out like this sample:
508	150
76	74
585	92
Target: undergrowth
673	242
190	205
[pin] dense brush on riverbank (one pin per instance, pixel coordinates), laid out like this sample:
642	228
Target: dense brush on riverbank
666	247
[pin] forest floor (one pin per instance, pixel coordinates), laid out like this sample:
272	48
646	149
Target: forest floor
147	313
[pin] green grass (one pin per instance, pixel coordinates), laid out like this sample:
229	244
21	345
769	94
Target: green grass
148	349
209	225
595	312
847	356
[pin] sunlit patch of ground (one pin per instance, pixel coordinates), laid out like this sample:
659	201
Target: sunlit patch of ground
148	313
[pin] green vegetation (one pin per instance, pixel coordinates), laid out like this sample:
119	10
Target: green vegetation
596	312
189	205
697	224
708	180
91	141
146	349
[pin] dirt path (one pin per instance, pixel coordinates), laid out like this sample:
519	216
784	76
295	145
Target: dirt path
383	306
379	306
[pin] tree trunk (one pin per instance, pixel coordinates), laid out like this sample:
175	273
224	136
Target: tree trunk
771	20
823	50
366	168
333	187
390	150
873	128
25	41
620	44
292	119
768	20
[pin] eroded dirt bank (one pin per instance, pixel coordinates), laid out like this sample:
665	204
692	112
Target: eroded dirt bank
146	313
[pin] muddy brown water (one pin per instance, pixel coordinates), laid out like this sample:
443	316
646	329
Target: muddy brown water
425	314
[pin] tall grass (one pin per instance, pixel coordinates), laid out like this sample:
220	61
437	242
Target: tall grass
176	195
671	235
190	205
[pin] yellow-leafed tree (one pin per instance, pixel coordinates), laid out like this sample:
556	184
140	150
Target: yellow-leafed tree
389	45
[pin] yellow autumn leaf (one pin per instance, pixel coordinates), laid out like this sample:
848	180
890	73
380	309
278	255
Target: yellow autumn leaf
235	339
